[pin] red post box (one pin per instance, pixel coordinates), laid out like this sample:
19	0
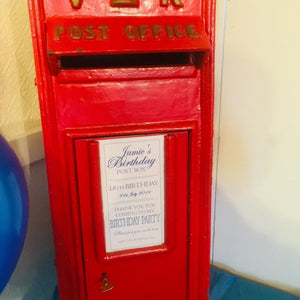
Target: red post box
126	98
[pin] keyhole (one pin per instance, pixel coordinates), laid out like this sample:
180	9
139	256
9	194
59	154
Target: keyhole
106	286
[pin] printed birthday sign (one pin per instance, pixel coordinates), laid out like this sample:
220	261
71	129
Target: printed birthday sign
132	184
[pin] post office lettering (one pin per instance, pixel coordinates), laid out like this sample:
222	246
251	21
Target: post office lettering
75	32
142	32
157	31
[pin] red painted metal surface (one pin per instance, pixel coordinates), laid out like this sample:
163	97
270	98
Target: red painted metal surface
80	106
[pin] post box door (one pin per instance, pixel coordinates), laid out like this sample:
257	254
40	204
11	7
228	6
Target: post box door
133	199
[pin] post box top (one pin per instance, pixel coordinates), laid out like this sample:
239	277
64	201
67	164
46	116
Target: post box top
93	27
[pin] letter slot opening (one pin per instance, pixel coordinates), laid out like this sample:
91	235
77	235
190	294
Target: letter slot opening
130	60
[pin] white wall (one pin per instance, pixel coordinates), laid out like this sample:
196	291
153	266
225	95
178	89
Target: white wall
257	223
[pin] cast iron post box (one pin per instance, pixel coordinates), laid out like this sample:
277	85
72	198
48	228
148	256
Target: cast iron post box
126	99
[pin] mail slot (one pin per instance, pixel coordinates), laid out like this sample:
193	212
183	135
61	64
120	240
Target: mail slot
126	100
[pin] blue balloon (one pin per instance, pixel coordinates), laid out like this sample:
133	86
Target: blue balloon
14	210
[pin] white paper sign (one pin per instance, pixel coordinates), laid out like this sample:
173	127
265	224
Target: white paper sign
132	184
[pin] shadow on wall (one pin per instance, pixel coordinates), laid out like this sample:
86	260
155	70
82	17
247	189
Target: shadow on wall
35	274
249	251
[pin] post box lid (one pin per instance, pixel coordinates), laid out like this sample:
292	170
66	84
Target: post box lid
83	35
